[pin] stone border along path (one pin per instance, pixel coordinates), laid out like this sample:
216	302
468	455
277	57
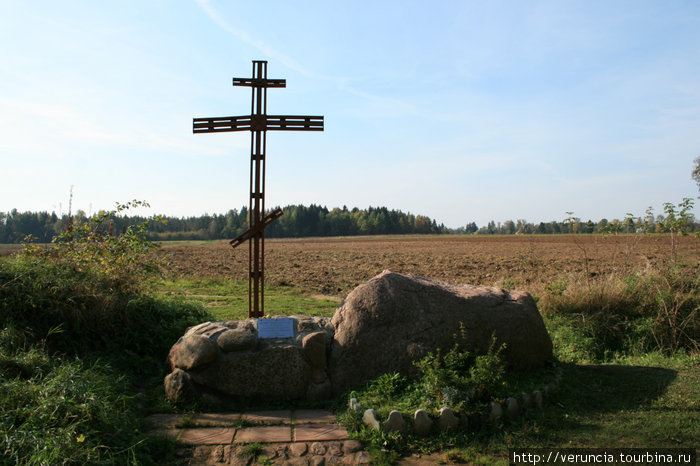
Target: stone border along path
294	437
423	424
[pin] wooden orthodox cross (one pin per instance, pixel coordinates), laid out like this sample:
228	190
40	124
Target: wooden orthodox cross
258	123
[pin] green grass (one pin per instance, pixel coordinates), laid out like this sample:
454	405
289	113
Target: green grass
647	401
72	353
7	249
613	405
228	299
68	410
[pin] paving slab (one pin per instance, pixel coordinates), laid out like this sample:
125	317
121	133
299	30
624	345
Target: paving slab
170	433
216	419
264	434
319	432
207	436
313	416
268	417
163	419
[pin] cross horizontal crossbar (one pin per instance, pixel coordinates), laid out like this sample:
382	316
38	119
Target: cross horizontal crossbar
257	228
259	82
257	123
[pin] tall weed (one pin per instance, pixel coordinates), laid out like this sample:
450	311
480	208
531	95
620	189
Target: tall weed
651	310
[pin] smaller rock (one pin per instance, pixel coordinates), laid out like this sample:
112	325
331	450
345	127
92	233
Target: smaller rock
207	329
447	420
335	449
239	339
317	461
362	457
422	422
351	446
298	449
495	412
354	405
525	400
537	399
192	351
395	422
370	419
178	385
318	448
229	454
217	454
314	346
305	324
295	462
512	408
270	452
281	451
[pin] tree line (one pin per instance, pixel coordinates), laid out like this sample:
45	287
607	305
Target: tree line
315	220
297	221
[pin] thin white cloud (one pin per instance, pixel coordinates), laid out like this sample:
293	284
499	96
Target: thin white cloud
340	82
60	126
215	16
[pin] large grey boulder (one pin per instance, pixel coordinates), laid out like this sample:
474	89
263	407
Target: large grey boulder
391	321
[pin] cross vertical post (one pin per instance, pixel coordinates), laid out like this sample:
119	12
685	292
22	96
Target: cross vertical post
256	245
258	123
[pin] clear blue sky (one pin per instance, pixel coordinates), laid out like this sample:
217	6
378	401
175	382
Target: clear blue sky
459	110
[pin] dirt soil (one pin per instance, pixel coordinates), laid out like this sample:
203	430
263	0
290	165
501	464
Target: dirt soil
334	266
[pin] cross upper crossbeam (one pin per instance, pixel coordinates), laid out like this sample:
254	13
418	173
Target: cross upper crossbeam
259	82
257	123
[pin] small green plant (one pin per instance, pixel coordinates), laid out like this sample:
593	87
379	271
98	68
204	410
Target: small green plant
185	421
509	283
557	287
457	378
253	449
487	373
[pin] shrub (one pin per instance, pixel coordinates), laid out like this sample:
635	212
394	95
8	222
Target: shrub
117	260
82	293
78	312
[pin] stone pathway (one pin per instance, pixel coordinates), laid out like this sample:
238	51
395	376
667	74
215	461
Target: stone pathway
288	437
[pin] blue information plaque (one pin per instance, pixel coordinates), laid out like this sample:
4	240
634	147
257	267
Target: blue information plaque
282	327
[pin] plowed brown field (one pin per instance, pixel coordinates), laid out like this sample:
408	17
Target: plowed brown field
333	266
